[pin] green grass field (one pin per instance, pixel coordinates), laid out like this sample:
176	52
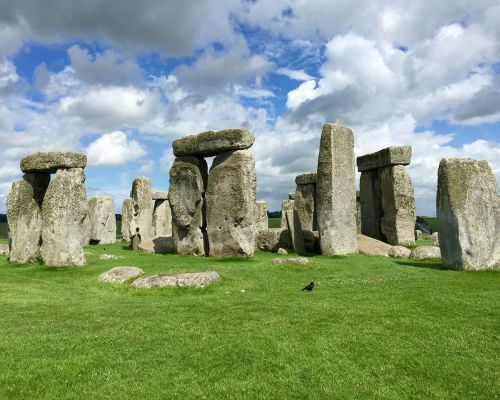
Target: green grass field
373	327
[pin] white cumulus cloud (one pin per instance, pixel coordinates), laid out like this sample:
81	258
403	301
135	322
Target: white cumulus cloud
114	149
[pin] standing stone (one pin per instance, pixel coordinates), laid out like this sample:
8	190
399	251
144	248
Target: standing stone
293	223
25	217
162	218
230	201
418	234
305	200
63	210
358	212
336	193
398	204
141	221
468	211
188	181
370	202
127	213
285	206
261	215
102	220
86	228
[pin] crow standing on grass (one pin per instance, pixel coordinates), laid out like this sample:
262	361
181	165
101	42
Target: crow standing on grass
309	287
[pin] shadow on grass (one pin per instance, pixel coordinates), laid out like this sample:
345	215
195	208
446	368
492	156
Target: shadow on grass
425	264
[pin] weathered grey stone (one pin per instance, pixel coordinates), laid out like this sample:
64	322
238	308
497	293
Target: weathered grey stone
142	221
296	233
187	279
418	234
372	247
311	241
212	143
102	220
425	252
24	216
63	210
120	274
188	181
230	200
50	162
399	252
159	245
282	251
305	206
86	228
398	204
285	206
272	239
390	156
292	260
306	178
468	211
135	242
162	219
370	201
159	195
110	257
336	193
291	196
261	215
4	249
127	214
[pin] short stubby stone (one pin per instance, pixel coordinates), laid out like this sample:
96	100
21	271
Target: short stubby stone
162	218
120	274
102	220
159	245
141	222
261	215
397	155
50	162
212	143
159	195
110	257
399	252
425	252
4	249
127	214
187	279
282	251
468	212
230	201
372	247
306	178
272	239
291	260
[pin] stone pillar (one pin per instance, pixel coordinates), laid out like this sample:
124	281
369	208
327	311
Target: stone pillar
305	200
188	181
261	215
102	220
335	189
162	218
370	202
468	211
230	200
285	206
63	210
127	214
358	213
142	221
24	215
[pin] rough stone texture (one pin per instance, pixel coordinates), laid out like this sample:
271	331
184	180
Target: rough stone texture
230	200
425	252
400	155
336	194
4	249
135	242
435	239
142	220
311	241
296	233
162	218
50	162
305	205
285	206
63	210
110	257
418	234
282	251
120	274
468	211
261	215
159	195
291	196
398	204
292	260
86	228
370	202
272	239
188	181
306	178
399	252
358	212
212	143
127	214
102	220
24	215
188	279
372	247
159	245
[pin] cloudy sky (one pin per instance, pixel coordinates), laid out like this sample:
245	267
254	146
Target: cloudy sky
120	79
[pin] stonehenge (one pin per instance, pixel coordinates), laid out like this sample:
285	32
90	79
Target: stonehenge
102	220
141	223
261	215
127	213
305	200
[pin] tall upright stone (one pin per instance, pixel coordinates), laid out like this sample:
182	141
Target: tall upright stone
261	215
358	212
24	215
188	182
285	206
370	202
230	200
468	211
127	214
86	228
305	200
335	190
63	210
141	222
162	218
102	220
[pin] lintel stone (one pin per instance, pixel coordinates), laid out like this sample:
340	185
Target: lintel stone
396	155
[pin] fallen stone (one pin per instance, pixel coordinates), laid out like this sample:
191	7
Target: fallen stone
159	245
127	214
261	215
292	260
120	274
4	249
372	247
159	195
230	201
282	251
390	156
426	252
306	178
162	218
142	221
102	220
212	143
272	239
468	212
109	257
188	279
50	162
399	252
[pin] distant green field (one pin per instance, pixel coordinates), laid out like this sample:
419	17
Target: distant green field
3	230
274	222
430	222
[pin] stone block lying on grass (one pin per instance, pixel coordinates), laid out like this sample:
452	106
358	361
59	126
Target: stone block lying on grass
120	274
4	249
293	260
110	257
162	244
372	247
187	279
399	252
426	252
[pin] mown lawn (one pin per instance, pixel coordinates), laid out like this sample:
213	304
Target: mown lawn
373	327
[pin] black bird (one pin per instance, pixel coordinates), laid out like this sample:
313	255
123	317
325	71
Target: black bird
309	287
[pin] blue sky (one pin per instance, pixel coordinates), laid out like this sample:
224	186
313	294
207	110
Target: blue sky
121	80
